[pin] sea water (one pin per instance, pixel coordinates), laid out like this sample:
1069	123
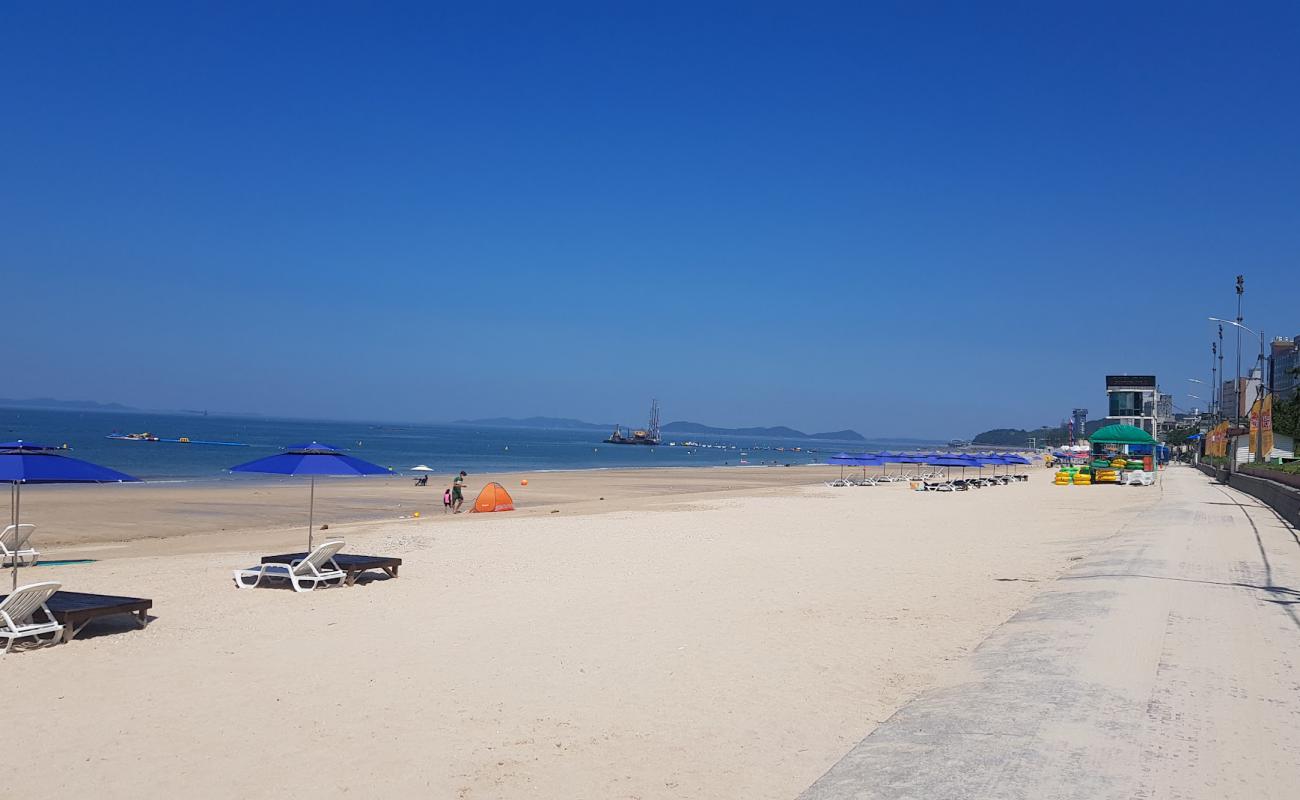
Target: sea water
446	448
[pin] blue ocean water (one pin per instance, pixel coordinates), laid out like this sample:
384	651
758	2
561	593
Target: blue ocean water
445	448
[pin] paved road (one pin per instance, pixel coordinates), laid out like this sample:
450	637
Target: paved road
1164	665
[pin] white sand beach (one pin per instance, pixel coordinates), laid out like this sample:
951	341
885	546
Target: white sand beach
717	643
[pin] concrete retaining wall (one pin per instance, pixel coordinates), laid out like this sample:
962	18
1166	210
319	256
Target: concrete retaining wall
1273	475
1281	498
1220	475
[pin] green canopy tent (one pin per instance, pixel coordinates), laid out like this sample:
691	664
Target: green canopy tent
1121	434
1124	435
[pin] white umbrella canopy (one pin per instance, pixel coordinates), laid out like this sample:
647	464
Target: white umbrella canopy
422	468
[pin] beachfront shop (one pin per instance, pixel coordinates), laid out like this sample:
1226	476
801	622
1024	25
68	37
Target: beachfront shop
1124	455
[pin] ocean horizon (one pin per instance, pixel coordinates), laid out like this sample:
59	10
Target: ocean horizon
445	447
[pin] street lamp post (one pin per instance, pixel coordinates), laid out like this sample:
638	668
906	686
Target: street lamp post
1259	390
1241	289
1196	452
1194	380
1214	376
1222	375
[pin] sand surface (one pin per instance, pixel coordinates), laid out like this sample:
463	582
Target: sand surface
713	634
1162	665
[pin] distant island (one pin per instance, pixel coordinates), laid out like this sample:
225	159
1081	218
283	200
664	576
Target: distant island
779	432
554	423
565	423
1048	435
50	402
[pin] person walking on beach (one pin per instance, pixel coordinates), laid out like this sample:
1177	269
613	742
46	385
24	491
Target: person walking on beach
458	492
446	500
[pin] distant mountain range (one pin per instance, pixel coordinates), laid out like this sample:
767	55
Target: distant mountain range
562	423
1046	435
779	432
49	402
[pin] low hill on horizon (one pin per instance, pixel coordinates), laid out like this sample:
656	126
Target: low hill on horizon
778	432
566	423
1046	435
51	403
563	423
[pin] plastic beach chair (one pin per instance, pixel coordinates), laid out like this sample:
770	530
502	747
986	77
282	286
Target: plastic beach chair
19	611
13	545
303	574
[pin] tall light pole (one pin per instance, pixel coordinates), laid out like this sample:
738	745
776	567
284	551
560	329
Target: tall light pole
1236	387
1214	376
1222	375
1196	452
1259	391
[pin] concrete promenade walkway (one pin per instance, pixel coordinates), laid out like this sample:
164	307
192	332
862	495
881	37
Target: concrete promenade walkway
1164	665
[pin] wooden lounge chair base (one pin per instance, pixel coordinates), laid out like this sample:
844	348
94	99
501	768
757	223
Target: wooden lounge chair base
350	564
75	610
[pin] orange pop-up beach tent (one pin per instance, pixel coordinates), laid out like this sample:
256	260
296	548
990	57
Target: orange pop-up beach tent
494	497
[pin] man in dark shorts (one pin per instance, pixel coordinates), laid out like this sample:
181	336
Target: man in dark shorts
458	492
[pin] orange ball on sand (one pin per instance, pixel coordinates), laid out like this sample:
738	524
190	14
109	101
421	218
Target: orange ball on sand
524	482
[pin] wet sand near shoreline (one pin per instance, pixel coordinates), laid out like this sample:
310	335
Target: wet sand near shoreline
147	519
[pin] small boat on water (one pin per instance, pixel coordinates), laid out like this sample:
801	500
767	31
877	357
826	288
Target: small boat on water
149	437
649	436
133	437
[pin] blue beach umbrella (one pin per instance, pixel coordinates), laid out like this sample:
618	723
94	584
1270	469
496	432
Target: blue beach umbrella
909	458
312	459
949	460
865	460
843	460
886	457
1015	458
23	462
988	460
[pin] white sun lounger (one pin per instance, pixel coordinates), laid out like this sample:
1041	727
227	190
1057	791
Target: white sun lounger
18	614
304	574
13	546
1137	478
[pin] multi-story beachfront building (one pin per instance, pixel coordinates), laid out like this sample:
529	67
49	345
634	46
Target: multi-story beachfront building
1131	400
1239	395
1080	418
1284	368
1165	409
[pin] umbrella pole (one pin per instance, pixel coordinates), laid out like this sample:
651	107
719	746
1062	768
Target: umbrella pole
311	513
16	512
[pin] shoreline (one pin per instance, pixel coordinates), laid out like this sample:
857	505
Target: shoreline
157	519
254	477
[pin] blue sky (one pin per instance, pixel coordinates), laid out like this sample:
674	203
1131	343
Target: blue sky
907	218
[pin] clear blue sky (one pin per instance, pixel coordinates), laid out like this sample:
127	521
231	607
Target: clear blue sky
905	218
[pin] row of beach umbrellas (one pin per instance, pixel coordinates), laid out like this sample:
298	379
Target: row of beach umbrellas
24	462
937	459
